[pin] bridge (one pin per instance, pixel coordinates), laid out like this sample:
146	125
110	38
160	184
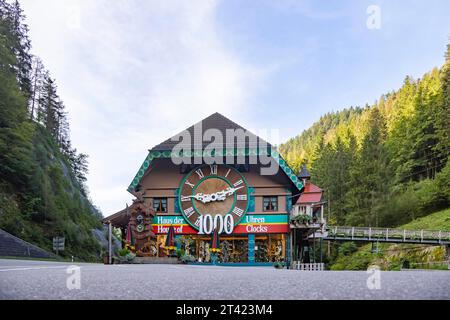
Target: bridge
367	234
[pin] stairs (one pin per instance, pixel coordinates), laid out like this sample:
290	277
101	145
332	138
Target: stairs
12	246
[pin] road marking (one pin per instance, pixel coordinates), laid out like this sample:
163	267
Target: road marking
33	268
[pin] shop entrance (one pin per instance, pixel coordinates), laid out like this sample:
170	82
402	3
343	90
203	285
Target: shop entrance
267	248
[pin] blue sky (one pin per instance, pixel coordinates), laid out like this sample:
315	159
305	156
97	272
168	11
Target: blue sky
133	73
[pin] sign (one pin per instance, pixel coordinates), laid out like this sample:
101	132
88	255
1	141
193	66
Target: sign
58	243
251	223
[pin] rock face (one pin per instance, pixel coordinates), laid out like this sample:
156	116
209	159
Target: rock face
102	237
12	246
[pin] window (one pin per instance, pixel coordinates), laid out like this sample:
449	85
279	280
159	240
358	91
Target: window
270	203
160	204
270	248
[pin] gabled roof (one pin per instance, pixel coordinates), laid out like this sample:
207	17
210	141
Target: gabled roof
304	174
249	147
311	194
215	121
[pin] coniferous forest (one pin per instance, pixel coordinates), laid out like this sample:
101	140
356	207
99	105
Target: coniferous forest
42	176
384	164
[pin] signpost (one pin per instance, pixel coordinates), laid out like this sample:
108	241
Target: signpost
58	244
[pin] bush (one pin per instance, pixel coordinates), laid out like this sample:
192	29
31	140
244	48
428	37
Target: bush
415	200
180	253
347	248
123	252
278	265
443	181
130	256
187	258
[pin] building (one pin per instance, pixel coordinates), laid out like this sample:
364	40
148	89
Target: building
178	185
307	220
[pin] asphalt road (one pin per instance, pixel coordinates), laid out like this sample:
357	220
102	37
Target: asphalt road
21	279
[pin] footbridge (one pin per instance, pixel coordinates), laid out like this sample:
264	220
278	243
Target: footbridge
367	234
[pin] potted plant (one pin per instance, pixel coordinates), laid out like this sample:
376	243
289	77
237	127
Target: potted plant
105	257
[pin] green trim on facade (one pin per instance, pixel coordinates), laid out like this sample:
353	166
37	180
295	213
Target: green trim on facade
208	153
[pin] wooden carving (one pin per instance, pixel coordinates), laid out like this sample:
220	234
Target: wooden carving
141	226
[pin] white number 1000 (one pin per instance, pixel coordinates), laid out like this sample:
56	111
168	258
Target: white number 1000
208	224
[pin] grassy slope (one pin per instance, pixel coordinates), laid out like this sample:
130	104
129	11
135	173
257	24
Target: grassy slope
391	256
437	221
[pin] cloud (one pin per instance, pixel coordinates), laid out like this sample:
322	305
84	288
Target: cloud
134	73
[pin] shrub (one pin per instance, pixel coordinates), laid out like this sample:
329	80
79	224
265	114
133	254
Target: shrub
187	258
278	265
180	253
347	248
130	256
123	252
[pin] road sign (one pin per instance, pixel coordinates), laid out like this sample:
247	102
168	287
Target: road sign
58	243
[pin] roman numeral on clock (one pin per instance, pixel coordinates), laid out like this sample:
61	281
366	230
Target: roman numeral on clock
213	168
238	211
189	212
184	198
190	184
240	197
197	223
200	173
237	183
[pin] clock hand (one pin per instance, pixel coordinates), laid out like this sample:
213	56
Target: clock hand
216	196
199	196
222	195
230	190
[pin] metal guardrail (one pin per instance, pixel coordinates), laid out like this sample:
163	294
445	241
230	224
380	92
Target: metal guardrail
387	235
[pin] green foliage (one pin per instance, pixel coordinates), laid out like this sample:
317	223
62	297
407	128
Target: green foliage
187	258
437	221
42	194
349	256
130	256
347	248
385	164
123	252
303	218
180	253
278	265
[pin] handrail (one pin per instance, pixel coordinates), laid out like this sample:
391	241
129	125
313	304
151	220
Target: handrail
387	234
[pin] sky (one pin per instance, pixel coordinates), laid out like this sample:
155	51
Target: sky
134	73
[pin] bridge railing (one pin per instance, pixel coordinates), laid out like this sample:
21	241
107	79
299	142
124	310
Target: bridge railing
387	234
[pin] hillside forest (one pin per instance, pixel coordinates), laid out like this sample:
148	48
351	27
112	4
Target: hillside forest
384	164
42	176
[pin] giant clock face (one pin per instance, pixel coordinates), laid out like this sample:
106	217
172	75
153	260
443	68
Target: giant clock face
214	190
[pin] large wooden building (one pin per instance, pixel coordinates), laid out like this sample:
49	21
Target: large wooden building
251	209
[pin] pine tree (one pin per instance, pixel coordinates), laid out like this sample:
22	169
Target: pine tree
36	84
17	32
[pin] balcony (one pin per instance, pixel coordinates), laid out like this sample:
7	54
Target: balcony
307	217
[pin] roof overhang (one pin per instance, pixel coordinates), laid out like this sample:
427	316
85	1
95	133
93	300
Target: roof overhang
167	154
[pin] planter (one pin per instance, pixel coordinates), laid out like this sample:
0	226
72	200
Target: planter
105	259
